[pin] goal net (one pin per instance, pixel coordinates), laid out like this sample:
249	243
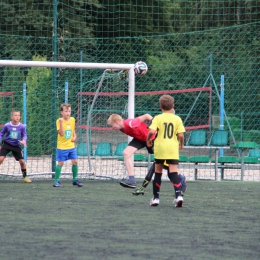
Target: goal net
45	84
6	105
108	95
99	148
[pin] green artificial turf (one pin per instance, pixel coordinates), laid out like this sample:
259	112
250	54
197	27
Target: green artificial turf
102	220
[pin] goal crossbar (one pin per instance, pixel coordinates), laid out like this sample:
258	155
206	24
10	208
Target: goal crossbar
54	64
83	65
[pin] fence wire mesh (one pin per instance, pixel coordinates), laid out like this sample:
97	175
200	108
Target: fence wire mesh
186	44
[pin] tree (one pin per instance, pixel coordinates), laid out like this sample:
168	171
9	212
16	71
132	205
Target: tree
39	93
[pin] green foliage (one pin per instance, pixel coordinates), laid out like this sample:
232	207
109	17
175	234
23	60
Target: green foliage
234	122
39	91
181	41
252	136
130	18
13	80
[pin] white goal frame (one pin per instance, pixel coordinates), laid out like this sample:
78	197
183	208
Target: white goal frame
83	65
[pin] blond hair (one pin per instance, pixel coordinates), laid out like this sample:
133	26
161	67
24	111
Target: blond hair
62	106
14	111
114	118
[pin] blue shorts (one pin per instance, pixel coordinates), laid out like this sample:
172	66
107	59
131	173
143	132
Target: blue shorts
64	155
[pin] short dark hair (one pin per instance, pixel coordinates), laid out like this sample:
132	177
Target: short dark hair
166	102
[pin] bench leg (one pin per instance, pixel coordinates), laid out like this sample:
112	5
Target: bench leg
242	165
222	172
216	164
196	172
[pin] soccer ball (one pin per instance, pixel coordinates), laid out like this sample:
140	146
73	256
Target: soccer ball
140	68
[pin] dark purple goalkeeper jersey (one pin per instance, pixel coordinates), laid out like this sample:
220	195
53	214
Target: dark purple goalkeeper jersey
12	134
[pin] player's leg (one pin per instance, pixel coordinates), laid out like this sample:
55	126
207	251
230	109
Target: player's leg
132	147
146	181
176	182
3	153
183	183
72	155
2	158
18	155
24	171
75	174
129	182
61	157
57	174
148	176
157	182
183	180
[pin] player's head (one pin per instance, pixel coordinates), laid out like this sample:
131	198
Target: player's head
15	116
65	110
115	121
166	102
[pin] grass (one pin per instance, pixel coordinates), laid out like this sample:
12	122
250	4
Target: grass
102	220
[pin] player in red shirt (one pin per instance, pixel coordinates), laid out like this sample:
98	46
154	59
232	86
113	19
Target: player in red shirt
137	129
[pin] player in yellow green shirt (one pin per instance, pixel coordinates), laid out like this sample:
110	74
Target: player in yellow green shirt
169	141
66	145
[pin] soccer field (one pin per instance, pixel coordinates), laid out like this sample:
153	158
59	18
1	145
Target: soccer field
102	220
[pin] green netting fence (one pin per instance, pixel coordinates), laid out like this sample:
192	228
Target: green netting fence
186	44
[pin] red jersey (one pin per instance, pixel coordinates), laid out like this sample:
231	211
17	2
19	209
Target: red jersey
135	128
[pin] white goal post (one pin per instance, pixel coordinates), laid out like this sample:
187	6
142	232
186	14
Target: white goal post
83	65
110	67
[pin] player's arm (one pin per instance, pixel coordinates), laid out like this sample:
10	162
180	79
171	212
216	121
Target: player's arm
74	137
145	117
181	140
2	133
23	142
24	137
149	140
60	128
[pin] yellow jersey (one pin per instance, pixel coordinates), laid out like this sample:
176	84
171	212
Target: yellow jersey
64	142
166	144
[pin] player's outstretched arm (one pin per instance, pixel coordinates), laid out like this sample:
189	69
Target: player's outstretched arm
145	117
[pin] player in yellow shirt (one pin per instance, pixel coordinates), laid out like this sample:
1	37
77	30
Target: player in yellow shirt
66	145
169	141
150	174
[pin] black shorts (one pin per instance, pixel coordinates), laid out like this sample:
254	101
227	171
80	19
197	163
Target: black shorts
168	161
16	151
140	144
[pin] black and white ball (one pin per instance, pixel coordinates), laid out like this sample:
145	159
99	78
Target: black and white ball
140	68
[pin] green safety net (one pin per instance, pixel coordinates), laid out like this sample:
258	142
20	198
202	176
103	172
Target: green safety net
186	44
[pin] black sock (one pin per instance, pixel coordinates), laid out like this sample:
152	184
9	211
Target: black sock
157	185
176	182
145	184
24	172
